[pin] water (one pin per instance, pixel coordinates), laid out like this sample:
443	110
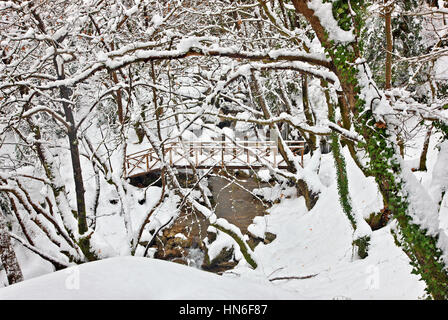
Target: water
195	257
234	203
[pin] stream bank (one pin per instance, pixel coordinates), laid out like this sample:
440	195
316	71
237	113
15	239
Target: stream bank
183	241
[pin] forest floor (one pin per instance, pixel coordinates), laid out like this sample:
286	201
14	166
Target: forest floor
312	257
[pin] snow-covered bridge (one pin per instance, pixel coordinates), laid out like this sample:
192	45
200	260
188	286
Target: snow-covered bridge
212	154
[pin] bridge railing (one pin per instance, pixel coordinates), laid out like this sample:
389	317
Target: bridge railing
243	154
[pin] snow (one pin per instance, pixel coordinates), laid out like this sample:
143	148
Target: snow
422	208
309	172
129	278
186	43
274	54
275	193
441	68
258	227
222	241
31	265
440	174
365	195
156	20
131	11
264	175
60	33
181	236
324	12
318	243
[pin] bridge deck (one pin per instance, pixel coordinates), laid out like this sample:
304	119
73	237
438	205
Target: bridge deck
212	154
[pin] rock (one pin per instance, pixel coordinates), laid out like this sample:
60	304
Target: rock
143	243
150	178
225	266
269	237
253	240
169	254
242	175
180	261
225	255
211	236
175	242
221	262
184	243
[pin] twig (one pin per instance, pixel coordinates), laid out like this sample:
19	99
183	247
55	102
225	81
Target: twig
294	277
150	243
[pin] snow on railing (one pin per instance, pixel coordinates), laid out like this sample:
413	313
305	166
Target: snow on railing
242	154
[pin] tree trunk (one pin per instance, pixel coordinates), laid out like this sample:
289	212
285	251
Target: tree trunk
7	254
303	189
422	164
76	166
64	92
308	114
255	87
81	215
389	48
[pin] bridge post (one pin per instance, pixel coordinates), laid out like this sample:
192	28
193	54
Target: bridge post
268	142
245	147
223	137
196	156
256	151
303	150
275	157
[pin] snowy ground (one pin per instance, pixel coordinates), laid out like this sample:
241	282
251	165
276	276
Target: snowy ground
140	278
318	244
315	243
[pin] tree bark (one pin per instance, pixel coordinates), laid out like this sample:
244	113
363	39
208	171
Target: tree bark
77	170
308	114
255	87
309	196
74	153
81	214
422	164
389	48
7	254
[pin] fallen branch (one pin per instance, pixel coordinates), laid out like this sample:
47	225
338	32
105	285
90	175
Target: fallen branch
294	277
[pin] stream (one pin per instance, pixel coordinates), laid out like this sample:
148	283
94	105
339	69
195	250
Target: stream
232	202
235	204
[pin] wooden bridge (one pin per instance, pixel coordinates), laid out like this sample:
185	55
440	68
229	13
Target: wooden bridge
212	154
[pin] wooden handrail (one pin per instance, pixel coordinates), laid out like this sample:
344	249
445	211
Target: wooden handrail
228	155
